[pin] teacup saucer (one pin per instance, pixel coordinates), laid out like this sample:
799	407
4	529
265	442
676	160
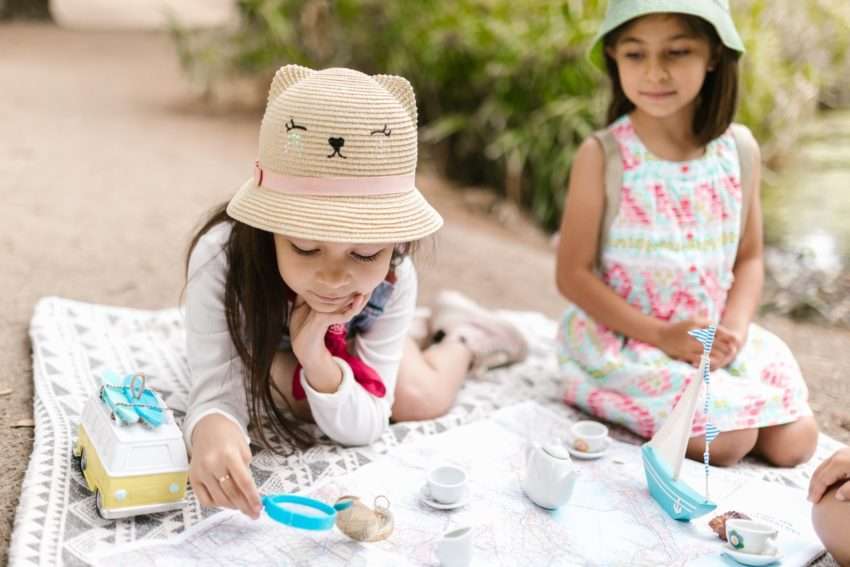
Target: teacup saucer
587	455
425	494
751	558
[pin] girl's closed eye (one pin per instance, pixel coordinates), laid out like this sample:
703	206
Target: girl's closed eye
302	251
633	55
366	257
683	52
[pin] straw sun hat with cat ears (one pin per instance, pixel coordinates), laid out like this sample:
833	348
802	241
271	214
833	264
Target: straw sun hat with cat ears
337	160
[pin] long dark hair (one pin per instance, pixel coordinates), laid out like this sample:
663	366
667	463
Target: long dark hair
256	307
718	97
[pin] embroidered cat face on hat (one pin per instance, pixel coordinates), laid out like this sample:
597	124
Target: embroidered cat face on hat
337	160
339	123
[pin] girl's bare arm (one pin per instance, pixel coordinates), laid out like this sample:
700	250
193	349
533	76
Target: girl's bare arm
577	252
745	294
579	245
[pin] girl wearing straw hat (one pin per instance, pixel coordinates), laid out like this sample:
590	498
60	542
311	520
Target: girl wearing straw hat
662	233
301	293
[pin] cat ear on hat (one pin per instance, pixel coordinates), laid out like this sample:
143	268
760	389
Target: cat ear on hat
287	76
402	91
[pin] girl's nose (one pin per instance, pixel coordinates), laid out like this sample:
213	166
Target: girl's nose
333	277
657	71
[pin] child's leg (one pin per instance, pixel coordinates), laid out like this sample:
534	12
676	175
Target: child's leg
428	381
727	449
492	340
830	518
789	444
470	338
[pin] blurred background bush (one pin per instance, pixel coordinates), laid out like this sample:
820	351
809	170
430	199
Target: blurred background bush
504	89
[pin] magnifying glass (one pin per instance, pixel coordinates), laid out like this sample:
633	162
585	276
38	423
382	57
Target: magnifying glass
303	512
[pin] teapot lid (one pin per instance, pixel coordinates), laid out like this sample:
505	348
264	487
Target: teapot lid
557	451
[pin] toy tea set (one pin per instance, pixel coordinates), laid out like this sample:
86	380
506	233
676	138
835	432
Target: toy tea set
132	455
550	475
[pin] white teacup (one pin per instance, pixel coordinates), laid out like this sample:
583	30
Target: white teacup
750	536
589	436
454	549
447	483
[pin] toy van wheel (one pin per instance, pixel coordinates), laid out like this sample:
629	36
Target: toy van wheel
83	461
98	503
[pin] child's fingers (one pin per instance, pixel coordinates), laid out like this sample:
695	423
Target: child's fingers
828	473
248	497
349	311
816	485
202	494
216	490
843	492
232	486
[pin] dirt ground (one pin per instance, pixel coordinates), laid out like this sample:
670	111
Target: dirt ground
107	163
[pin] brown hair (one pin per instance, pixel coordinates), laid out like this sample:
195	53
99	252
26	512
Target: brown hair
255	305
718	97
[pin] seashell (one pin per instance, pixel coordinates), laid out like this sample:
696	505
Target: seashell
581	445
718	523
362	523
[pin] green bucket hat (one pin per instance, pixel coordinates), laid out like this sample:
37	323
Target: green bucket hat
715	12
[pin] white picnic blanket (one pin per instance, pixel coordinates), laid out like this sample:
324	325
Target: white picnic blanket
72	342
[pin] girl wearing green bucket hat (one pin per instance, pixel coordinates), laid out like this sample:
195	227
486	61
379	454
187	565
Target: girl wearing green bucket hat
301	294
662	233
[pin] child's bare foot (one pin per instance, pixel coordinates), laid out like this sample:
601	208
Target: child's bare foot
492	340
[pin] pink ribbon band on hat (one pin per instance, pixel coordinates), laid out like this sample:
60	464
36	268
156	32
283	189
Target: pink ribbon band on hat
333	186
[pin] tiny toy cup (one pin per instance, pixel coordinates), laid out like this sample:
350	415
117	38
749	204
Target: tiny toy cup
447	483
589	436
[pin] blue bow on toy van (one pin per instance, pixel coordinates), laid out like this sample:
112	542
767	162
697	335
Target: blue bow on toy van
130	401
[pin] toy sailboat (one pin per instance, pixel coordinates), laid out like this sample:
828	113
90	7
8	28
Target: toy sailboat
664	454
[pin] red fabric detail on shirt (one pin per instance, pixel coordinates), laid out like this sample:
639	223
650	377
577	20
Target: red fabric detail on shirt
364	374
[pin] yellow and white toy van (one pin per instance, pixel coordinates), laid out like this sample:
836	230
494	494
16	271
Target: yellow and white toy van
132	468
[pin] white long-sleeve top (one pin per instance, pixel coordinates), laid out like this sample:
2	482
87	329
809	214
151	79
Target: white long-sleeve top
349	416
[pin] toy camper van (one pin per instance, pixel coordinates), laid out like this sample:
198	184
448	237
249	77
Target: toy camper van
131	452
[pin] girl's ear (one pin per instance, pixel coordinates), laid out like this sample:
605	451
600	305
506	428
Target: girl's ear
285	77
716	54
401	90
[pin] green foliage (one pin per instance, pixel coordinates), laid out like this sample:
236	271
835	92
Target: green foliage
503	85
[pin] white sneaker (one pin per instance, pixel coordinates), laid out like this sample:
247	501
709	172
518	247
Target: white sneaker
492	340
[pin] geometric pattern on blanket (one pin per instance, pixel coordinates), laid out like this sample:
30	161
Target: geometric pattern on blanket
73	342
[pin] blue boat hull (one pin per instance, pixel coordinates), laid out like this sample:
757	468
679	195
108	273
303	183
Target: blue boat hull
679	500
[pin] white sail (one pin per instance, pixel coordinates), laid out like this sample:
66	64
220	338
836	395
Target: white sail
671	441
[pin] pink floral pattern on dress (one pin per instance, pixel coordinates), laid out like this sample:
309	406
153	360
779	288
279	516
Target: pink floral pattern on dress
655	384
670	254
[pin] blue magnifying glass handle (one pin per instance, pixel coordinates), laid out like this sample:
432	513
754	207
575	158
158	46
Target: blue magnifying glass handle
283	508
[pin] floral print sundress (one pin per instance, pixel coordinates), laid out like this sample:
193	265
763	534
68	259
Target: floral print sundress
670	253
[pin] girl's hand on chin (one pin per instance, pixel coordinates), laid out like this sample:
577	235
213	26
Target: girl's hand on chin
307	327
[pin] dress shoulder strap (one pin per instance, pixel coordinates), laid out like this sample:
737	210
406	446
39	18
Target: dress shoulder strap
747	150
613	181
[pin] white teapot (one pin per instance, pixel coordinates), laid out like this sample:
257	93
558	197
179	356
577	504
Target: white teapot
549	475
